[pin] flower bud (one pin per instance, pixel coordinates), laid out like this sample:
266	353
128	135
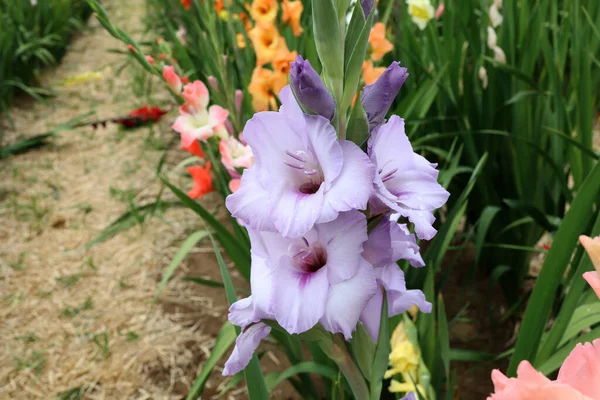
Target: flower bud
172	78
239	97
378	97
213	83
367	6
310	90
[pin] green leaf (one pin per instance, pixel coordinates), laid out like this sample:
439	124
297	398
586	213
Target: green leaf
443	336
363	349
357	22
225	338
202	281
358	127
584	316
382	352
183	251
275	378
557	359
229	288
326	28
576	221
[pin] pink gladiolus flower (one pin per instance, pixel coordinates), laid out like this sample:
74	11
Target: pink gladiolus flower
199	124
196	95
150	60
581	369
592	246
440	11
234	184
173	80
234	154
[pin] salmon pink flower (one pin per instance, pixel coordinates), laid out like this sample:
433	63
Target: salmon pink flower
379	44
266	40
201	124
196	95
172	79
292	12
581	369
260	89
317	278
592	246
234	154
194	149
370	73
388	243
264	12
234	184
302	174
202	181
405	183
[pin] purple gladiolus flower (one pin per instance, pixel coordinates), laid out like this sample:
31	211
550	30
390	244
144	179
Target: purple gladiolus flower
405	183
302	174
367	6
320	277
310	89
388	243
378	97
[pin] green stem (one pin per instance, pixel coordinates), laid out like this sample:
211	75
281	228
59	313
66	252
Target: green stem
338	352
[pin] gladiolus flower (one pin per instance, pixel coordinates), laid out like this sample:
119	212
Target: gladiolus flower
186	4
388	243
378	97
404	357
196	94
302	174
581	369
421	11
173	80
219	6
194	148
367	6
150	60
310	89
379	44
317	278
264	12
266	40
371	74
592	246
292	12
234	154
406	183
260	89
281	65
202	181
241	40
234	184
440	11
201	124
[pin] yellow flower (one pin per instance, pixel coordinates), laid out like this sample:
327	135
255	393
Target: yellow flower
406	387
264	12
281	66
404	357
241	40
266	40
379	44
260	89
371	74
292	12
421	11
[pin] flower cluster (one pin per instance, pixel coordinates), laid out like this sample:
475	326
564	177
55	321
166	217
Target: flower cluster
304	203
198	122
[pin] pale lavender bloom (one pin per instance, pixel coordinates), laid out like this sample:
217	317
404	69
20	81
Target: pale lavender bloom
405	183
410	396
320	277
310	89
378	97
245	345
388	243
302	174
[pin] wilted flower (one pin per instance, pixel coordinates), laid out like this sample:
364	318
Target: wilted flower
421	11
310	89
260	89
370	73
592	246
302	174
378	97
292	12
266	40
234	154
483	76
388	243
202	181
264	12
405	183
495	16
578	379
317	278
173	80
379	44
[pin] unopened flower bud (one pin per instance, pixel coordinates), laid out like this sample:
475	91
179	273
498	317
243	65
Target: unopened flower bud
378	97
310	90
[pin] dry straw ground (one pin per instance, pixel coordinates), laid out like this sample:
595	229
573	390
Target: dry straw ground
82	322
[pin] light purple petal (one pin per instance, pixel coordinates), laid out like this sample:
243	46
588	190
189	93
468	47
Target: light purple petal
410	396
294	213
270	135
343	238
400	299
249	202
390	148
291	109
423	221
245	345
417	190
261	283
353	187
241	313
371	314
404	245
299	297
325	146
389	242
347	299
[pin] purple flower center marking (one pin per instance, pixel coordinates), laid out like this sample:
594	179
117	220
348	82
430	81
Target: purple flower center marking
388	175
307	173
309	257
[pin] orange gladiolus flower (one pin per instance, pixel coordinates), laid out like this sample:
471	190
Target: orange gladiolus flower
194	148
266	41
246	21
219	6
292	11
202	181
281	66
241	40
186	4
264	12
260	89
379	44
370	73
